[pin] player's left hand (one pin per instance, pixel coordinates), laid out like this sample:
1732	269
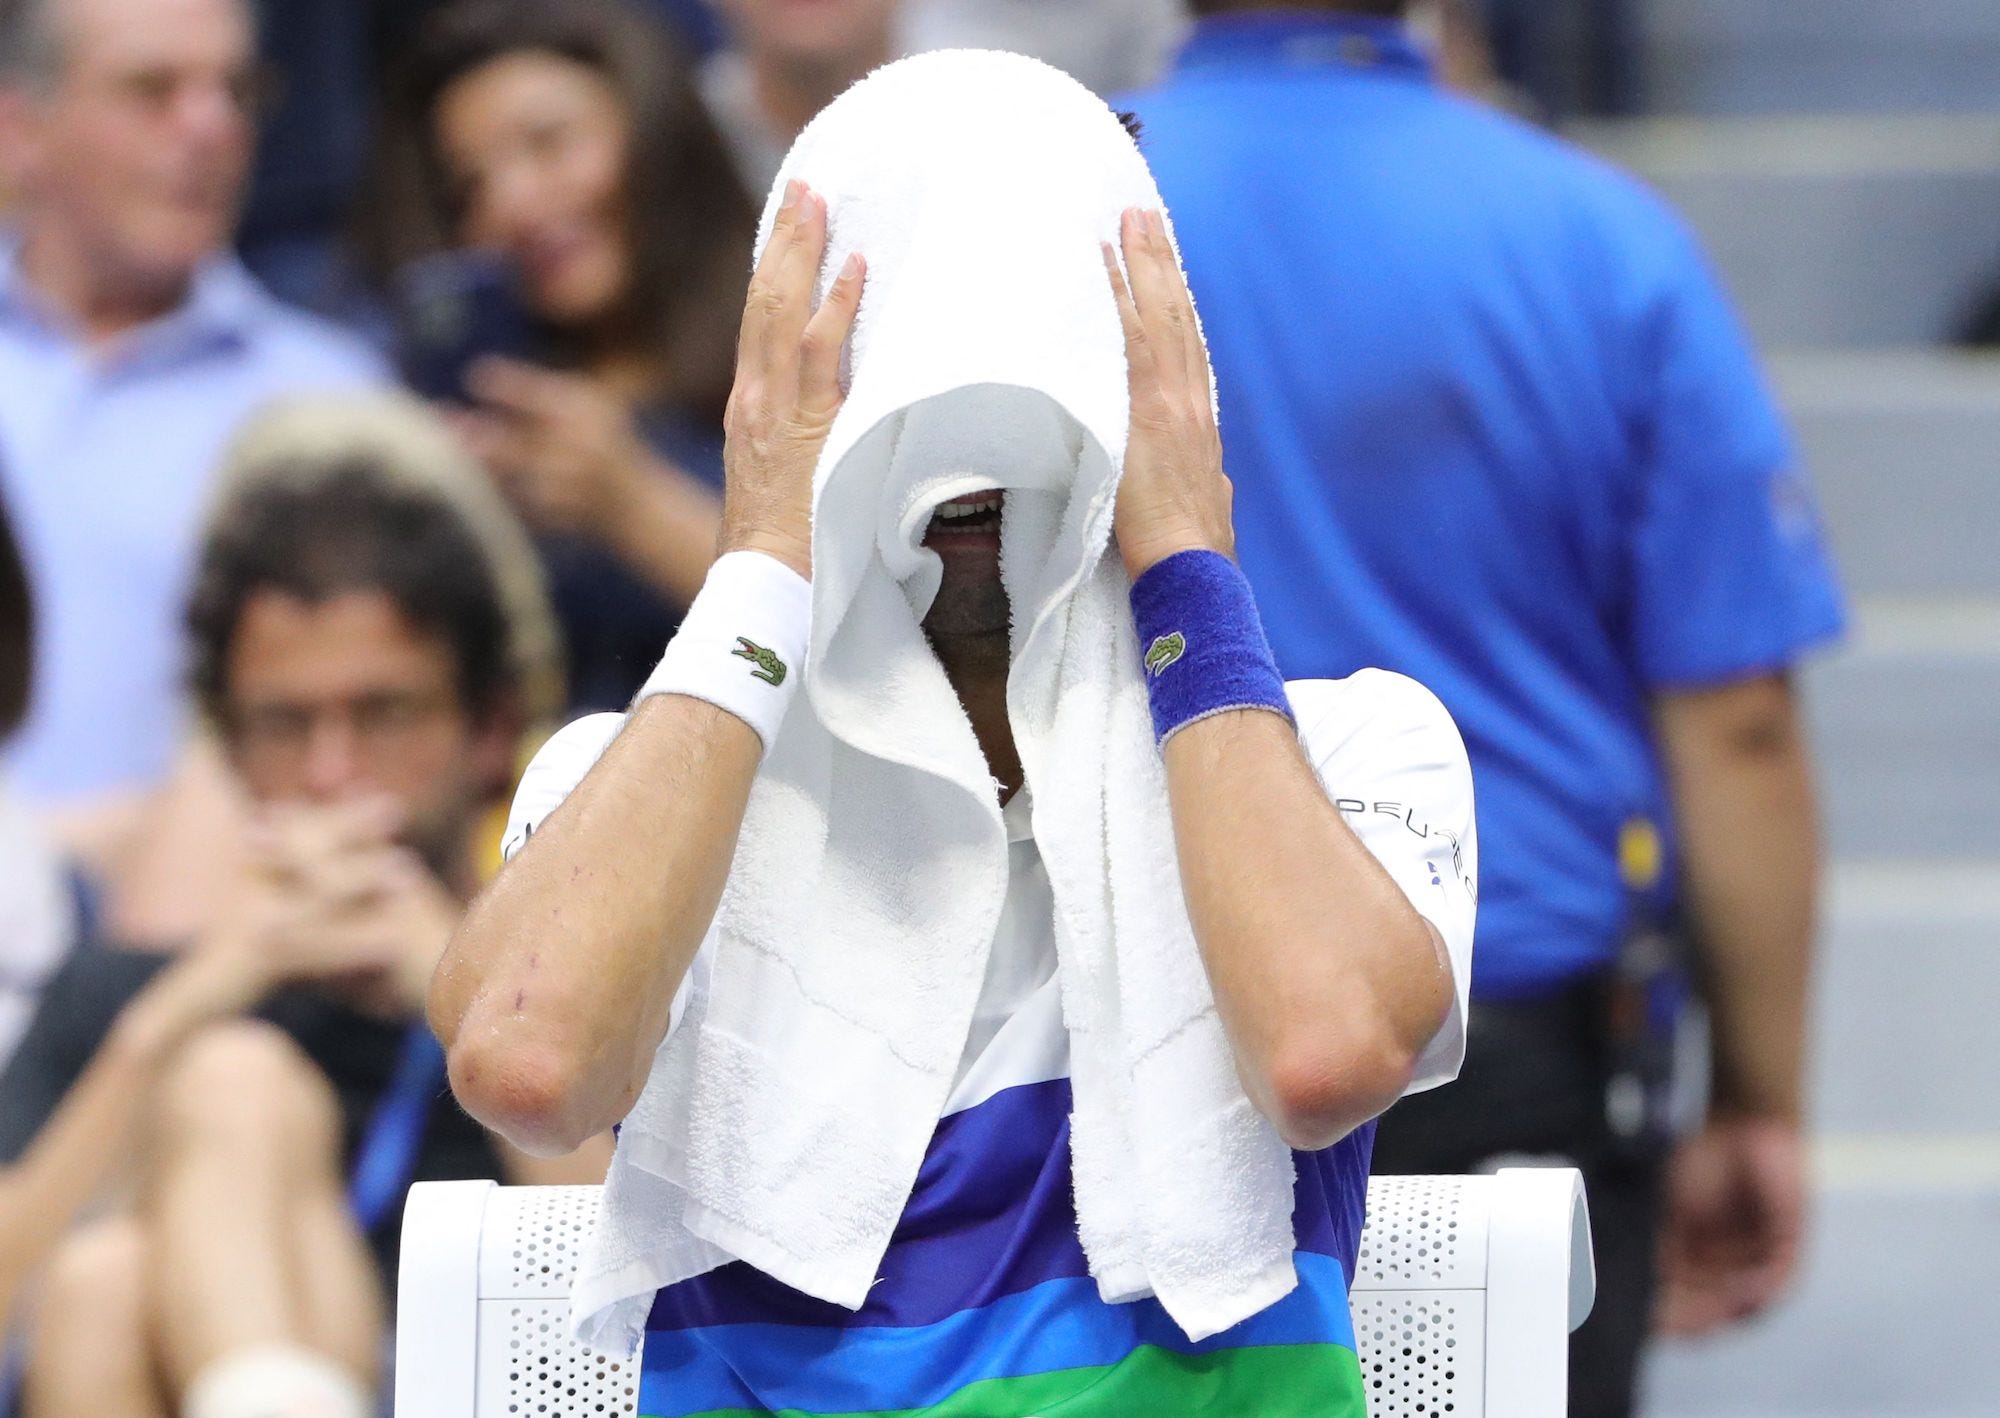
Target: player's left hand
1735	1217
1174	496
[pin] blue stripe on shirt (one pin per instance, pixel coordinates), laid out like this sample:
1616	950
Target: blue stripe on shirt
1061	1324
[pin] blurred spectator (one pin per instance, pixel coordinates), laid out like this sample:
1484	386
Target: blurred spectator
1493	424
1569	58
785	62
1108	45
695	21
1981	329
567	136
36	915
131	346
327	58
1456	36
366	648
95	1127
98	1120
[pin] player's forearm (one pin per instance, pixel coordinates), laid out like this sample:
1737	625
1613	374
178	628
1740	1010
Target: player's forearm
1328	981
557	987
1743	792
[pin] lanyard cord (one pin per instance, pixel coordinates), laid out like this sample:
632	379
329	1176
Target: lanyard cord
387	1157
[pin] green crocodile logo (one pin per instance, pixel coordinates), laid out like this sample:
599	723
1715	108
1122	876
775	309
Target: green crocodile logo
770	668
1163	652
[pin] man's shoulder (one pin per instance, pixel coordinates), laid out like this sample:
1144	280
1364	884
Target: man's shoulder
312	347
557	767
1374	712
577	744
1469	146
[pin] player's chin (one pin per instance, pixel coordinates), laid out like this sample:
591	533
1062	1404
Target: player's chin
971	597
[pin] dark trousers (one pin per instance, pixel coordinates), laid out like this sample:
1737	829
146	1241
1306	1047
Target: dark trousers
1533	1089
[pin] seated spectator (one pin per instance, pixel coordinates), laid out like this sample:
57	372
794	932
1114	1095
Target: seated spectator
362	646
132	344
35	902
567	136
785	62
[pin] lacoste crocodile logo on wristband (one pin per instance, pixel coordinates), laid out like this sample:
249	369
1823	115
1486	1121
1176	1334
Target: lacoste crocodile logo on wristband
770	668
1163	652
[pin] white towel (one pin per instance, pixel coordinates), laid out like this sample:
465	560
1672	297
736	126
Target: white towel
789	1111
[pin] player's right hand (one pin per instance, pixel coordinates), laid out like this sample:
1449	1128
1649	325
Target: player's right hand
787	388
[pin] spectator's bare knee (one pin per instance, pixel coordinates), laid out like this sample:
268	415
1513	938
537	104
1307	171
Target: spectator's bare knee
246	1085
98	1271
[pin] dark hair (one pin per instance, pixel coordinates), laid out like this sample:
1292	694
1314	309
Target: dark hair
316	532
691	221
17	631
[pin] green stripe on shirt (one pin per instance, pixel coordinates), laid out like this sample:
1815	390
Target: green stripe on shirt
1269	1381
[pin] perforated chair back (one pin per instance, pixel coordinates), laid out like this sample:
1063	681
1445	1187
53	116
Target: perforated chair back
1464	1297
1466	1291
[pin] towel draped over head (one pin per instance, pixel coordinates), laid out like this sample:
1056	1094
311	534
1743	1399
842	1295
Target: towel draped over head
789	1110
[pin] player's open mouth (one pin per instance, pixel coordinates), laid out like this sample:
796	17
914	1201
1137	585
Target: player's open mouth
975	516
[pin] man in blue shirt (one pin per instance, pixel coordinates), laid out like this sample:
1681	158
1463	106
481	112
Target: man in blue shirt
1493	425
131	346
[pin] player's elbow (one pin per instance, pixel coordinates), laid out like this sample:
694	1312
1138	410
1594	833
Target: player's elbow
1318	1092
1330	1074
533	1091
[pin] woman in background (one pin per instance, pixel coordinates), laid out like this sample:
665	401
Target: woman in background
567	138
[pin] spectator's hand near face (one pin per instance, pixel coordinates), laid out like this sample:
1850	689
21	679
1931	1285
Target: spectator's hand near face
1174	496
562	447
327	896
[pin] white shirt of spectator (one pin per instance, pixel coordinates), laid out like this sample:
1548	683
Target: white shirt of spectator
37	918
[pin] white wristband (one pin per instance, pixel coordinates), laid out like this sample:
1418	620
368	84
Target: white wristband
742	644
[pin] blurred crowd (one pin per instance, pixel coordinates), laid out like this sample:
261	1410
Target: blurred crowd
362	373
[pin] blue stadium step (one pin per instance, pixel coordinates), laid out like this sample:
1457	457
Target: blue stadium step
1833	231
1821	56
1904	451
1906	985
1908	746
1893	1316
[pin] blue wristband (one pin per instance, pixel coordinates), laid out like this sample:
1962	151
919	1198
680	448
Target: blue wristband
1203	646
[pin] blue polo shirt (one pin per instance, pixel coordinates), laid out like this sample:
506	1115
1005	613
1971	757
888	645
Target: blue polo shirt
106	463
1492	424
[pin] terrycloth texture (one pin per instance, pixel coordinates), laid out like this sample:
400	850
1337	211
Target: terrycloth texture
788	1113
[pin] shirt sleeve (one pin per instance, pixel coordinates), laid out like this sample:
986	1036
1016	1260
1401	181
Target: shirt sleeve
1391	759
1730	573
557	767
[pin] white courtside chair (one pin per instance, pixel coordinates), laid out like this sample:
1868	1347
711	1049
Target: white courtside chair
1464	1298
